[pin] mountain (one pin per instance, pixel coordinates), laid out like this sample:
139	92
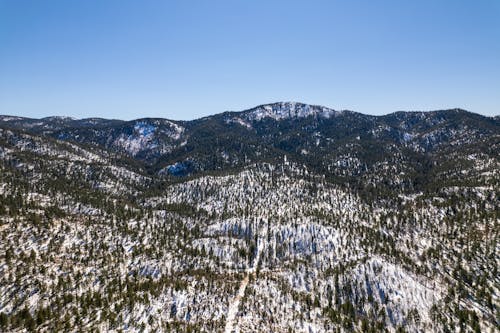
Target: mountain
344	145
286	217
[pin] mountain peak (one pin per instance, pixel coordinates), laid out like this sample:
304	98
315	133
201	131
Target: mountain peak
287	110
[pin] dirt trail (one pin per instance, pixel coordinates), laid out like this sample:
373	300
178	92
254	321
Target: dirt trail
235	304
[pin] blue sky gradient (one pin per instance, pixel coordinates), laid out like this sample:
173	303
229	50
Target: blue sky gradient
186	59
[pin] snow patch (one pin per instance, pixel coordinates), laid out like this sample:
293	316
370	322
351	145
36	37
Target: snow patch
288	110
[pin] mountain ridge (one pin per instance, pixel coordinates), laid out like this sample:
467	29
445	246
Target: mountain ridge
8	118
320	137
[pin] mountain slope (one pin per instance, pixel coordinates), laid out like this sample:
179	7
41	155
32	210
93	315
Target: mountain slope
282	218
346	146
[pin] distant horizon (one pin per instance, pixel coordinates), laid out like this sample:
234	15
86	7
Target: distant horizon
243	110
186	60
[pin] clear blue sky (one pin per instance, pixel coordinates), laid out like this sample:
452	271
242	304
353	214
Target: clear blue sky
186	59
